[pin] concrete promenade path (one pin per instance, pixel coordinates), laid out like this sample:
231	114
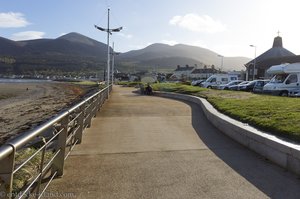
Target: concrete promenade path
150	147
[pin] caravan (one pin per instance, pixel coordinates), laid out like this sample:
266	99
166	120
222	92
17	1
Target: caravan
218	79
286	78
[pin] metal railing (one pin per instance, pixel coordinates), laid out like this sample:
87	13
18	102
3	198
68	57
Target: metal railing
32	160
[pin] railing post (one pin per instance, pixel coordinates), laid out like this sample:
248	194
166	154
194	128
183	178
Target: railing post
59	161
107	92
102	98
6	175
78	135
95	106
98	103
89	118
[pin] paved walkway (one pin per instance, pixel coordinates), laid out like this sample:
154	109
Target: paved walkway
151	147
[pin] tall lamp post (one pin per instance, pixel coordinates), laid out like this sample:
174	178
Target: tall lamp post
254	62
109	32
222	57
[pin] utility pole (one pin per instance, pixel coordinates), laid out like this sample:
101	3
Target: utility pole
222	57
113	63
254	62
109	32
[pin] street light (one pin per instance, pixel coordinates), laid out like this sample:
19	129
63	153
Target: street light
254	62
109	32
222	57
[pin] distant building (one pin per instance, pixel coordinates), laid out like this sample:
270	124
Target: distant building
274	56
191	72
240	74
203	73
182	72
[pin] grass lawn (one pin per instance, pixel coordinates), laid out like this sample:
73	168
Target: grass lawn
277	115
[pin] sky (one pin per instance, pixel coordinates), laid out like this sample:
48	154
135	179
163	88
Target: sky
227	27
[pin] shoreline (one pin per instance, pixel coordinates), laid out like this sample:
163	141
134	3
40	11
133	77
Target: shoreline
16	80
24	106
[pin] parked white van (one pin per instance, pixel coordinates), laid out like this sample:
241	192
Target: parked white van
218	79
286	78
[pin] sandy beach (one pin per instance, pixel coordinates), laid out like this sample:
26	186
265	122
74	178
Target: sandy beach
25	105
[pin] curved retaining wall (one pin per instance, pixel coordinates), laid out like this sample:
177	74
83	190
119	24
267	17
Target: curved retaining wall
279	151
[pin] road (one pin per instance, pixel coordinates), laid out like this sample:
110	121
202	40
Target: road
152	147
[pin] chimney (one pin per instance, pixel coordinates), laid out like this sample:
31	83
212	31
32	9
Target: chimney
277	42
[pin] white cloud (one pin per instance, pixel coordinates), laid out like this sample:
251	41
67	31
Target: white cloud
169	42
62	34
12	20
149	43
27	35
127	36
198	23
175	20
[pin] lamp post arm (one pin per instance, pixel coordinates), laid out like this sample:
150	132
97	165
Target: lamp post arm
116	29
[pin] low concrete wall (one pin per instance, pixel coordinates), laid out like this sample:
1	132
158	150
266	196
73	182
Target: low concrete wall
279	151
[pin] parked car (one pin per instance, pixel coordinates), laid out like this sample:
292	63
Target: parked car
237	86
226	86
294	93
249	86
197	82
259	85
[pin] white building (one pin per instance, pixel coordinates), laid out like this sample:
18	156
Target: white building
182	72
191	72
203	73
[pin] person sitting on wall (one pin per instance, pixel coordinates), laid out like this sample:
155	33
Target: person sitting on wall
149	89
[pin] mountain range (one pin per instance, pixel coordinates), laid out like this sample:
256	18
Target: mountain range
76	53
166	56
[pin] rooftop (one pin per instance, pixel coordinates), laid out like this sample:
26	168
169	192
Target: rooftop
276	51
184	68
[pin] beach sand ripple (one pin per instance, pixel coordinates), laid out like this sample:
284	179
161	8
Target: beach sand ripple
25	105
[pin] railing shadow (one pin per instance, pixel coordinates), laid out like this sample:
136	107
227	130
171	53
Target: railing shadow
271	179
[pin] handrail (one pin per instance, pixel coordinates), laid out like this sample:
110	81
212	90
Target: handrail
24	138
71	122
5	150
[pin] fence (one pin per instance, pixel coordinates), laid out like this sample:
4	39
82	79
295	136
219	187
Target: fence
31	161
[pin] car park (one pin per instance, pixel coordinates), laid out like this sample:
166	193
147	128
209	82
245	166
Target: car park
286	78
226	86
197	82
259	85
237	86
217	79
294	93
249	86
